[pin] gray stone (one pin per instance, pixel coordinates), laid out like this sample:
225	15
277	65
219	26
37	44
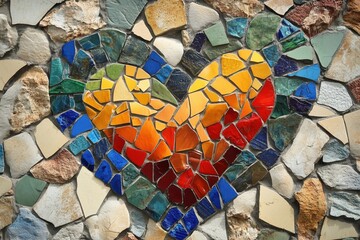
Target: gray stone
201	16
2	2
70	232
27	226
335	151
282	181
270	234
8	36
345	204
342	177
335	95
353	130
215	227
138	221
7	211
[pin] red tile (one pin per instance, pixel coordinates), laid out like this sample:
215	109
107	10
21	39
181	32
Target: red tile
160	168
109	134
231	154
232	134
189	198
136	156
250	126
230	116
166	180
186	138
147	170
214	131
118	143
169	136
207	168
212	180
265	100
221	166
200	186
175	194
186	179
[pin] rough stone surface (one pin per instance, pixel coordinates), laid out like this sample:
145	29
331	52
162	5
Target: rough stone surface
271	234
352	15
215	227
345	204
73	19
165	15
8	36
279	6
138	221
336	229
282	181
312	202
342	177
112	219
305	150
8	68
335	95
345	64
26	102
21	153
154	231
200	16
34	47
59	169
235	8
59	205
5	185
2	2
353	130
335	151
70	232
354	87
196	235
171	48
7	211
240	222
27	226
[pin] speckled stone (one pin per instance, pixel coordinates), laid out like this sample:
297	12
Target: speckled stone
335	95
234	8
335	151
341	177
8	35
201	16
282	181
354	87
7	211
345	204
279	6
351	16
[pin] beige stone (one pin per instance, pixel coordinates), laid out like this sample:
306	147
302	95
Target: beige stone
335	229
154	231
275	210
165	15
141	30
312	202
281	181
5	185
60	169
236	8
321	111
336	127
352	15
49	138
279	6
90	191
196	235
8	69
353	130
7	211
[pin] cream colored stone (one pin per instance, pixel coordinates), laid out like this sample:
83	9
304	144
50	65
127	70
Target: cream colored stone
8	69
5	185
279	6
70	232
196	235
335	229
215	227
281	181
154	231
275	210
321	111
141	30
201	16
7	211
90	191
336	127
353	130
171	48
49	138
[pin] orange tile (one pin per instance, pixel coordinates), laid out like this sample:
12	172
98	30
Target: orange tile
130	70
233	101
148	137
230	64
156	104
242	99
245	53
128	133
121	92
179	162
208	149
123	107
261	70
213	113
102	120
223	86
89	99
185	139
161	151
160	126
109	133
138	109
210	71
198	84
213	97
200	186
246	110
103	96
90	112
121	119
221	147
130	83
183	113
198	102
135	121
172	124
166	113
242	80
194	121
143	98
202	133
253	93
141	74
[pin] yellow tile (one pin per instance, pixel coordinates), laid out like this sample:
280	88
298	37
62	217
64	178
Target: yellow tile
223	86
143	98
106	84
138	109
198	102
194	121
210	71
253	93
103	96
130	70
213	113
160	126
197	85
242	98
202	133
90	112
135	121
123	107
144	85
121	119
156	104
242	80
213	97
256	57
231	63
166	113
233	101
102	120
121	92
141	74
246	110
89	99
130	83
261	70
256	84
183	113
244	53
172	124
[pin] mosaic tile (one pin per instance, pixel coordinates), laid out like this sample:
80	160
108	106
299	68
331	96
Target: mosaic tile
140	193
67	118
2	159
293	42
272	54
78	145
236	27
178	83
68	86
194	61
301	53
134	52
216	34
213	52
112	41
141	30
285	65
68	51
28	190
311	72
87	160
198	41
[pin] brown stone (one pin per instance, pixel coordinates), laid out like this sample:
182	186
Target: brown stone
59	169
237	8
166	15
7	211
316	16
312	202
352	15
354	87
128	236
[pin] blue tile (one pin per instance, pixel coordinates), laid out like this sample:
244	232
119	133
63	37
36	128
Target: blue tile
157	206
61	103
300	105
99	56
104	172
2	159
172	216
56	72
154	63
90	42
94	136
204	208
307	91
286	29
179	83
117	159
260	140
269	157
67	118
285	65
116	184
82	65
178	232
193	61
190	220
198	41
100	148
272	54
78	145
83	124
87	160
163	74
227	192
68	51
311	72
215	197
246	157
236	27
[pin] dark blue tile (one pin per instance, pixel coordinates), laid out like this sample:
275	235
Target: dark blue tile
204	208
100	148
78	145
198	41
194	61
2	159
260	140
68	51
82	125
67	118
286	29
215	198
61	103
163	74
87	160
94	136
99	56
178	83
227	192
272	54
79	104
82	65
104	172
285	65
178	232
117	159
90	42
190	220
116	184
299	105
157	206
269	157
311	72
307	91
154	63
172	216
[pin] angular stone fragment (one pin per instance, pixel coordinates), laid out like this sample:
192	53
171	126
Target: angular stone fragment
352	15
335	95
215	227
73	19
353	130
341	177
141	30
270	234
5	185
305	150
321	111
8	36
312	202
200	16
279	6
138	221
234	8
70	232
7	211
345	204
354	87
336	229
28	190
171	48
336	127
8	69
282	181
154	231
335	151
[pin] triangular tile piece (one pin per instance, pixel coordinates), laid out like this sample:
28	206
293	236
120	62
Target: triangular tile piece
321	111
121	92
336	127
